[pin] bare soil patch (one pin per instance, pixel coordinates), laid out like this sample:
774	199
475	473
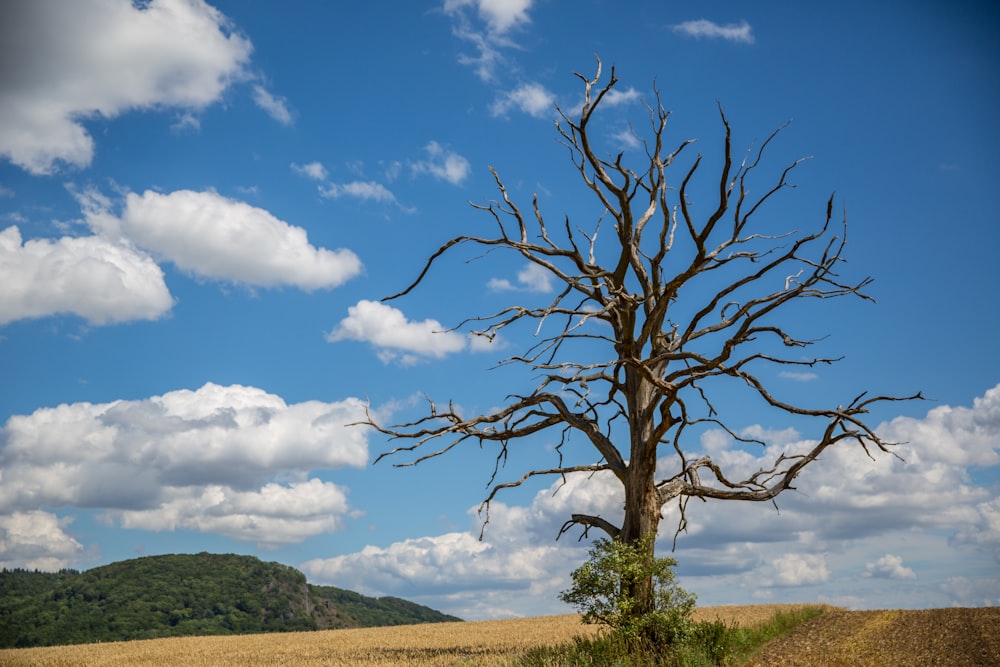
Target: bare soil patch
959	637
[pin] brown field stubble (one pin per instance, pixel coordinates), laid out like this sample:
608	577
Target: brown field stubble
926	637
957	637
470	643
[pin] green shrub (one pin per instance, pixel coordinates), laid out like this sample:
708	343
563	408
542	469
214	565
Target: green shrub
603	592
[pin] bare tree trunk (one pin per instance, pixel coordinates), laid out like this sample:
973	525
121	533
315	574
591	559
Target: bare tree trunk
642	499
660	365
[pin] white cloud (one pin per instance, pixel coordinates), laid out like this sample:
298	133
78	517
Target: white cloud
443	164
734	32
199	460
627	138
276	107
985	530
530	98
842	536
890	567
101	281
100	58
272	515
220	238
394	337
365	190
799	376
532	278
795	570
488	29
973	592
313	170
963	436
186	122
36	540
618	97
473	578
499	15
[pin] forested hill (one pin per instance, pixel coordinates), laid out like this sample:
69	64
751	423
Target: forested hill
166	596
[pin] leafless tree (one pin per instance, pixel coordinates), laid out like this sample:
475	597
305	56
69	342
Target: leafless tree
670	345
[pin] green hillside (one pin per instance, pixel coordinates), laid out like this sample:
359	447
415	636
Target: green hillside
167	596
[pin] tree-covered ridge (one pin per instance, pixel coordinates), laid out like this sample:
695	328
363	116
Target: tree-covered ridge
185	594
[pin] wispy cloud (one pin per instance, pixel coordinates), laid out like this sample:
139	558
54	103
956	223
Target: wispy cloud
532	278
186	122
799	376
486	24
734	32
313	170
443	164
276	107
365	190
617	97
499	15
533	99
627	138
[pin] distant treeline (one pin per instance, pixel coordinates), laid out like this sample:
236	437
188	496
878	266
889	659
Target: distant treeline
169	596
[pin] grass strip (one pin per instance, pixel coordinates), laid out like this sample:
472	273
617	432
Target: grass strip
710	644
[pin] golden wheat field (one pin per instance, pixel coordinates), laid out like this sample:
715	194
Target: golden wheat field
469	643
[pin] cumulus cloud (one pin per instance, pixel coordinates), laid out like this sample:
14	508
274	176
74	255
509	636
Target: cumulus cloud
890	567
36	540
472	578
276	107
199	460
795	570
396	338
530	98
849	516
449	562
220	238
963	436
65	62
734	32
101	281
983	530
443	164
272	515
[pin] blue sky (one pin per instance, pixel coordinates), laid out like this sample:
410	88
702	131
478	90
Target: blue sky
202	204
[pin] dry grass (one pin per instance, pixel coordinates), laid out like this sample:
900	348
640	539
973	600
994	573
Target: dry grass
471	643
